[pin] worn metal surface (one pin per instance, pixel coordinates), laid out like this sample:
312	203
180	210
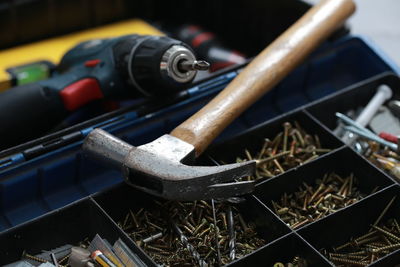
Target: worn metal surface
160	168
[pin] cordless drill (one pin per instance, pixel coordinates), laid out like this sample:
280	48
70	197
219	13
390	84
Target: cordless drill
127	66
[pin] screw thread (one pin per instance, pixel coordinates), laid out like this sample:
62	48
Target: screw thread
386	247
31	257
357	263
388	234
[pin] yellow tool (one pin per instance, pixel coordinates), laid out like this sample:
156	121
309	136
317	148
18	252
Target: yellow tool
53	49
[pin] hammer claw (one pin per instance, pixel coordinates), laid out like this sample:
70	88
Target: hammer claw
227	190
189	192
154	169
183	182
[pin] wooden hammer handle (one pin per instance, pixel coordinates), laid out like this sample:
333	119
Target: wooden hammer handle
264	72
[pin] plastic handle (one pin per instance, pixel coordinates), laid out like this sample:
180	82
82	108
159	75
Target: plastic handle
27	111
264	72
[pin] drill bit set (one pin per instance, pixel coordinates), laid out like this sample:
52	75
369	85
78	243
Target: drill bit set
201	233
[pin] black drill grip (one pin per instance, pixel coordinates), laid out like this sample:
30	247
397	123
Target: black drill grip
27	111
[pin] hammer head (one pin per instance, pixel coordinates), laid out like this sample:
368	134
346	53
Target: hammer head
162	168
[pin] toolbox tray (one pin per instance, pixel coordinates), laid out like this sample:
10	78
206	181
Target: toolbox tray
51	180
283	243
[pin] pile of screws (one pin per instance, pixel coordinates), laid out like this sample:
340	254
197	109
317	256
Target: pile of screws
380	240
311	203
296	262
192	233
290	148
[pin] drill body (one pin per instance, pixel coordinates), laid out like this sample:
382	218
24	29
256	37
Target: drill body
85	73
127	66
112	68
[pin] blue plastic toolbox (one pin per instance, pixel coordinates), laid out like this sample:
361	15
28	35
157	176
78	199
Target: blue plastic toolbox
54	179
107	213
48	186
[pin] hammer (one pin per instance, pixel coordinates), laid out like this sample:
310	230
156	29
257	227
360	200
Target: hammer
162	167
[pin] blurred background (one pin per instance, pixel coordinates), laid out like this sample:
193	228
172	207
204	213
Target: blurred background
379	20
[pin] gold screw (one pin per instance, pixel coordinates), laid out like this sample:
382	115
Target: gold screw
31	257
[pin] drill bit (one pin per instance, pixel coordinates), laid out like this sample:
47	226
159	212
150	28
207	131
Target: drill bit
232	250
216	233
189	246
186	65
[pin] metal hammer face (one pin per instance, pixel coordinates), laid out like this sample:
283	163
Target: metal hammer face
161	168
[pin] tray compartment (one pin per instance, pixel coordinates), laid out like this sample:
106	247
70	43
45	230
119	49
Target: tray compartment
284	250
355	221
126	198
69	225
368	178
252	140
89	177
353	97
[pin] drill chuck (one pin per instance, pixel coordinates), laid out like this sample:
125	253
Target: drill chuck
179	63
156	65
